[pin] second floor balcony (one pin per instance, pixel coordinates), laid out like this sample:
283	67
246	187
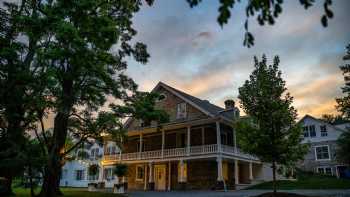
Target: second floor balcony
202	151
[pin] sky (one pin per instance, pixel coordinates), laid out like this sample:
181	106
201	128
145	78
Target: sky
191	52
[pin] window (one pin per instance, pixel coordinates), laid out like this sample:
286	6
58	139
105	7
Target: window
110	150
95	153
161	97
323	129
181	111
306	131
325	170
312	131
79	175
108	174
182	172
322	152
140	173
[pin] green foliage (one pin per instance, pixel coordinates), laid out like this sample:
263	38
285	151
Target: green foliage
120	170
142	106
307	180
343	106
343	150
271	131
264	11
334	119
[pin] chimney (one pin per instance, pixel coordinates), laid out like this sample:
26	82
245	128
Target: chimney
229	104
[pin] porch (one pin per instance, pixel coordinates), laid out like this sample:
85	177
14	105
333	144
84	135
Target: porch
195	152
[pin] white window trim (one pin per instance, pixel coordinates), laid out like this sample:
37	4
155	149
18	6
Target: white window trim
136	178
329	153
178	115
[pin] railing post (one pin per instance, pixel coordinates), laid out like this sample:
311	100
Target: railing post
236	172
188	140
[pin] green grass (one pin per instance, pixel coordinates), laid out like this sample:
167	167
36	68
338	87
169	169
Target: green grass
308	181
68	192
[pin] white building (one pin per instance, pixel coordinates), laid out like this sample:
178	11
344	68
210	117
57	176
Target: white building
322	137
75	172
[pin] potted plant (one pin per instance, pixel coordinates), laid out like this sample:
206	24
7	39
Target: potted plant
120	171
93	171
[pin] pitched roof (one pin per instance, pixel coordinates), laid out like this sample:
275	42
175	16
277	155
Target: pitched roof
203	105
321	121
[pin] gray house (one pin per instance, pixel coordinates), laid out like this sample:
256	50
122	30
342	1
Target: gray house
322	136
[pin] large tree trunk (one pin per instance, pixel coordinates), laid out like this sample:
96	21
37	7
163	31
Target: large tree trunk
51	182
7	186
53	168
274	178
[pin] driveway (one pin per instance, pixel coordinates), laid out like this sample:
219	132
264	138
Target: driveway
241	193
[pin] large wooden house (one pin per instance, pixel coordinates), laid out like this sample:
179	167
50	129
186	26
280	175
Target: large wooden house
197	149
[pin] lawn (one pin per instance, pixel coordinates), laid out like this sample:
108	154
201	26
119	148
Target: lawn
69	192
308	181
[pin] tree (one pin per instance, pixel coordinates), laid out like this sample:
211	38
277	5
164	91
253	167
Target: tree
267	12
333	119
271	131
343	106
19	83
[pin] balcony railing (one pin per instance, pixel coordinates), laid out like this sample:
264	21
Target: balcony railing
181	152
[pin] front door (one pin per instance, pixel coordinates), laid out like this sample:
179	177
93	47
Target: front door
160	172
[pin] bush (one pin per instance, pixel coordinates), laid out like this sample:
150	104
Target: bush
120	170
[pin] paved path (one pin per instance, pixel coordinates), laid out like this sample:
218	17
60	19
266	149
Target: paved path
241	193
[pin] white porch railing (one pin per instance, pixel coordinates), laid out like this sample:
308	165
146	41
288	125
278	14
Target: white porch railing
180	152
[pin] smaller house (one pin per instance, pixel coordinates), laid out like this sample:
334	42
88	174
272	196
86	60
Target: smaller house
75	173
322	137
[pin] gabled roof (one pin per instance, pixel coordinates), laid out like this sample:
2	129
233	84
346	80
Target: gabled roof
320	121
202	105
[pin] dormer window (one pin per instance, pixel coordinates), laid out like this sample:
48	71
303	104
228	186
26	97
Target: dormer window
181	111
323	129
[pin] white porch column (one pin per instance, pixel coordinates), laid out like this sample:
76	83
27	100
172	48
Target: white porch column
236	172
251	171
163	142
145	179
234	140
188	140
218	136
219	168
150	177
169	176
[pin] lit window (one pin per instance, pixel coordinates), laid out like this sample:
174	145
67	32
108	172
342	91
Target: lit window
181	111
140	173
322	152
312	131
323	130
